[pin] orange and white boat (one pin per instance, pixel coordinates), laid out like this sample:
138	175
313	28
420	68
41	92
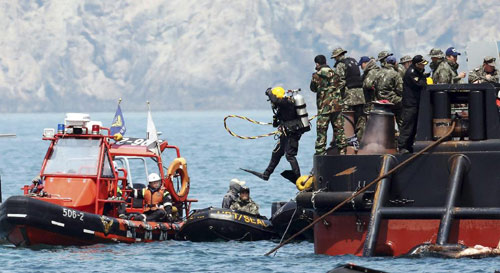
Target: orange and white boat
86	176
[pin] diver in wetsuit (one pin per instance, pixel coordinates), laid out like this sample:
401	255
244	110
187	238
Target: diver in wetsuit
289	124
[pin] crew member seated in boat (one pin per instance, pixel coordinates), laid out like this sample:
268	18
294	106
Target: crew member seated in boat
157	200
233	193
245	203
36	186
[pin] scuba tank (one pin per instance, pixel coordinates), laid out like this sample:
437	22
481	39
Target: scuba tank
300	108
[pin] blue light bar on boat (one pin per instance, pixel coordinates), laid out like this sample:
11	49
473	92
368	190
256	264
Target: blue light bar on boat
60	128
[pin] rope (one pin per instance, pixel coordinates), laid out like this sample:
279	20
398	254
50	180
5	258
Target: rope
288	226
313	196
212	229
249	120
399	166
255	122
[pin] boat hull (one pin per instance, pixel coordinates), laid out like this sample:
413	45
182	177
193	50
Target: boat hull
444	193
342	234
214	224
26	221
416	206
290	219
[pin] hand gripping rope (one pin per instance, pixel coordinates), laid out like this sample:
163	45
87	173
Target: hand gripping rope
255	122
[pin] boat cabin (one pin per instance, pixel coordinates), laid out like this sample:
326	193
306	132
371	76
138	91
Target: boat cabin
86	169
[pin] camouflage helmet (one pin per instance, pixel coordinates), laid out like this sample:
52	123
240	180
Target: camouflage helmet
405	59
383	54
337	51
436	53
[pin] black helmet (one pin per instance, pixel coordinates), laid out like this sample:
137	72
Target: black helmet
245	189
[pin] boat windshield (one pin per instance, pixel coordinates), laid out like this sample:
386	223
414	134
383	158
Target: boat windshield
74	156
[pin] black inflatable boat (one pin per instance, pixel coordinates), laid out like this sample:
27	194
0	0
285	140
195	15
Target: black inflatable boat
212	224
282	212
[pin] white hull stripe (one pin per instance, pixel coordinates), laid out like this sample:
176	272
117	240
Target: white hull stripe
88	231
137	239
13	215
57	223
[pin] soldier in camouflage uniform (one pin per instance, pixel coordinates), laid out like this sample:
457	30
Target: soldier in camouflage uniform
382	55
446	72
324	83
350	84
485	73
437	56
245	203
389	86
370	73
403	65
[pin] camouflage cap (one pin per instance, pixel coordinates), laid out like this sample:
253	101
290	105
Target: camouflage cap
383	54
490	60
436	53
337	51
405	59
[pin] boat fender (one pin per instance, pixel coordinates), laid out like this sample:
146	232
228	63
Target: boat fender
179	166
304	182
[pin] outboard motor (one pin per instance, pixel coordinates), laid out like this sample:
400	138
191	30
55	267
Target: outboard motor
300	107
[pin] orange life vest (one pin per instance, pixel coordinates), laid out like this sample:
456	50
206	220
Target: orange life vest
152	200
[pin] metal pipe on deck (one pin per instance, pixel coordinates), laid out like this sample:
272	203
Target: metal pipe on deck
412	212
476	213
459	166
378	200
438	212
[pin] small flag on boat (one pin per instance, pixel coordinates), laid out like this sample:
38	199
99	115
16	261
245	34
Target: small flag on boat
151	134
118	128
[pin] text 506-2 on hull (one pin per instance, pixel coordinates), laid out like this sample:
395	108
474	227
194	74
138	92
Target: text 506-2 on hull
445	195
84	192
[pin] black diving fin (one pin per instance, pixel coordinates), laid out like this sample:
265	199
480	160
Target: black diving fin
290	175
259	175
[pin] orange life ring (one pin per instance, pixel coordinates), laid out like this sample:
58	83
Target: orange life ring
179	166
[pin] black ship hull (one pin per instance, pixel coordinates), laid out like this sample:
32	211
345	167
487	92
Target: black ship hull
445	195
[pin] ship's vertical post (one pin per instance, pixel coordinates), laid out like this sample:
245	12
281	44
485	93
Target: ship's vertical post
0	189
459	166
476	116
378	200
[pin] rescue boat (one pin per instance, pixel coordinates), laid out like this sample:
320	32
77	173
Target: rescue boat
218	224
85	177
444	193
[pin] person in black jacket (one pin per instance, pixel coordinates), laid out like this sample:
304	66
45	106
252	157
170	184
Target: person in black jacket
287	121
414	82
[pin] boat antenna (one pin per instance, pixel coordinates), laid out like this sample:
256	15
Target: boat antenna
402	164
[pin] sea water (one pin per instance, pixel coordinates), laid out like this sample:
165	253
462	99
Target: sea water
214	158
